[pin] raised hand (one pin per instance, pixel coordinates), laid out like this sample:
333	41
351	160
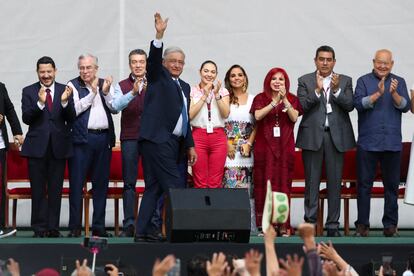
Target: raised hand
160	25
107	85
253	259
66	94
82	270
293	266
394	85
112	270
335	83
218	265
42	95
161	268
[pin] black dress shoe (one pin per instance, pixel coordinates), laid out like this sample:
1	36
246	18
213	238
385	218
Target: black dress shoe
333	233
128	232
75	233
155	237
391	232
54	234
361	230
39	234
140	238
102	234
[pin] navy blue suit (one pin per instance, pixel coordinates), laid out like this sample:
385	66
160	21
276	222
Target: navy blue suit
47	145
161	150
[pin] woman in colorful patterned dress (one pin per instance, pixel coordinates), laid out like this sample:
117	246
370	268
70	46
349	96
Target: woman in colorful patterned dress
276	111
239	127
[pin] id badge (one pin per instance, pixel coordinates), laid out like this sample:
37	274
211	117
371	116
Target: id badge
328	108
276	131
210	128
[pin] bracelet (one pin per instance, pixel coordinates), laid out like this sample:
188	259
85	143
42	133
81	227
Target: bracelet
288	107
272	103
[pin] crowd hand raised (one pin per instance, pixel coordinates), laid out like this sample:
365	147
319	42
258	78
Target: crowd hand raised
381	86
293	266
269	235
218	265
66	94
13	267
319	83
231	151
334	82
160	25
331	269
327	251
112	270
161	268
107	84
393	86
82	270
42	95
253	259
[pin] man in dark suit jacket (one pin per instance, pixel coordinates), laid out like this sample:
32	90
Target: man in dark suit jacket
47	108
6	112
165	128
325	133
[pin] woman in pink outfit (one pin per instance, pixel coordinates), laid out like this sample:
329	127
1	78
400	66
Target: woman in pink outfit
209	108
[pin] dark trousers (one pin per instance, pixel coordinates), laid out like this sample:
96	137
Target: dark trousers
390	169
2	187
91	159
46	182
183	170
130	158
313	161
160	163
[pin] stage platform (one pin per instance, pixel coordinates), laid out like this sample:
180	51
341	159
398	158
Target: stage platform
36	253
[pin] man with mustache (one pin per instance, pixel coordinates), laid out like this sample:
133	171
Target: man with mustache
48	110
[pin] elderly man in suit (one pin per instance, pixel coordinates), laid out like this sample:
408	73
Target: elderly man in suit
325	133
48	110
165	128
6	112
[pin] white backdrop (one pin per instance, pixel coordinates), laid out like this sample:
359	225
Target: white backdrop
256	34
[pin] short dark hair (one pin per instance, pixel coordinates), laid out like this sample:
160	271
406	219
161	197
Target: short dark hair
325	48
45	60
137	52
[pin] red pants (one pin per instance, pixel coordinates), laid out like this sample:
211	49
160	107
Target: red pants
211	151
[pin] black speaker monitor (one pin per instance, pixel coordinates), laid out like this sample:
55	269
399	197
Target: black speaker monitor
208	215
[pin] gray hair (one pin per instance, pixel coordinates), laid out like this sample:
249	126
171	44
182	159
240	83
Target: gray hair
83	56
173	49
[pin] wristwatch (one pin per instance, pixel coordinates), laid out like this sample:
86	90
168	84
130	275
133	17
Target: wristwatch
218	98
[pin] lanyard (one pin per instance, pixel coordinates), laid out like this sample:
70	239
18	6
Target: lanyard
209	111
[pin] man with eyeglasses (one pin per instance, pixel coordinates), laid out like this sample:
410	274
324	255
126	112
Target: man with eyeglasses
165	129
380	98
325	133
93	137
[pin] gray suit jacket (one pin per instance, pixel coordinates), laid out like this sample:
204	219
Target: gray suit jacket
311	128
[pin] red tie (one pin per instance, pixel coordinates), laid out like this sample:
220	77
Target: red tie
49	99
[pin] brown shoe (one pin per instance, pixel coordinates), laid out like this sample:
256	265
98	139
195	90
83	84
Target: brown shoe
391	231
361	231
